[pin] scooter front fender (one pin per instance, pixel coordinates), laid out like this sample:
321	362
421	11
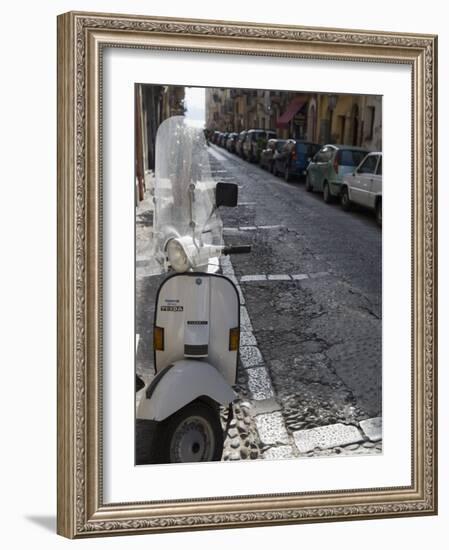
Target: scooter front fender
179	384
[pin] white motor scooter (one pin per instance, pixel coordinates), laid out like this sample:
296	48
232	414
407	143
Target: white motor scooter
197	312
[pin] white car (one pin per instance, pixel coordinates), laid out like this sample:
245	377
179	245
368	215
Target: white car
364	185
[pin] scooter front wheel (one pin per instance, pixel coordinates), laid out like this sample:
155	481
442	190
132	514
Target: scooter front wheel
193	434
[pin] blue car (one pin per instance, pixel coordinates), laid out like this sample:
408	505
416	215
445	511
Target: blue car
293	159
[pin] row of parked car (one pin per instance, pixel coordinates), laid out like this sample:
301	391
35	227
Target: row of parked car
247	144
350	174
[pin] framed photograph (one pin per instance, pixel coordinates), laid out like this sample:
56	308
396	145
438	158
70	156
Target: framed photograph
246	328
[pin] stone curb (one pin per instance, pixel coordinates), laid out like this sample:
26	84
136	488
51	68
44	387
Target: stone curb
372	428
326	437
338	435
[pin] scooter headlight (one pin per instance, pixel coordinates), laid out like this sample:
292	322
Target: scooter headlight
176	256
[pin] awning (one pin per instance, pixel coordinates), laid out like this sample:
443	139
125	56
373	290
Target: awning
292	108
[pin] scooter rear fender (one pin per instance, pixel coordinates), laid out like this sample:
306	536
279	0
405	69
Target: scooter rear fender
179	384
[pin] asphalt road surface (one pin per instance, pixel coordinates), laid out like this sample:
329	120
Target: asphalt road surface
320	335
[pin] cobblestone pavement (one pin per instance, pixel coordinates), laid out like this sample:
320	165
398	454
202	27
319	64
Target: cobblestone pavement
309	373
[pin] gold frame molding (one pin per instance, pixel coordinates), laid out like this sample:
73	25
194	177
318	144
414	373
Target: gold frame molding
81	38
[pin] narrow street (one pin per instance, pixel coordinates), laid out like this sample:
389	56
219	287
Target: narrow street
310	379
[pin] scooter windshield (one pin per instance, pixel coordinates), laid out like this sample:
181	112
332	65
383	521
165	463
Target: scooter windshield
184	190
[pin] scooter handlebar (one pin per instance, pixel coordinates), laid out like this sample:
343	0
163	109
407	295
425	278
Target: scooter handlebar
246	249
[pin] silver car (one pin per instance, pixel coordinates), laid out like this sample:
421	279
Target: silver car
364	185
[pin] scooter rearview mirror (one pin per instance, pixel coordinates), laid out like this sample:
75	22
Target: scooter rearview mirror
226	194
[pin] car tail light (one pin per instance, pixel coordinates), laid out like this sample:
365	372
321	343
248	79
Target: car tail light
158	338
234	339
336	165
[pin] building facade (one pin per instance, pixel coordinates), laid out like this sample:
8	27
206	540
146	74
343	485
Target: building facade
322	118
153	105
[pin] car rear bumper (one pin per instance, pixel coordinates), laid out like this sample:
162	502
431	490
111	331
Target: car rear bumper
335	188
299	170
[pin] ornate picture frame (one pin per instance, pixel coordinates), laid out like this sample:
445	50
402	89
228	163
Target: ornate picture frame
82	38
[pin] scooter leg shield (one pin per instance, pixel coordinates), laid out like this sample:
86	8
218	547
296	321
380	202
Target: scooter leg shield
180	384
